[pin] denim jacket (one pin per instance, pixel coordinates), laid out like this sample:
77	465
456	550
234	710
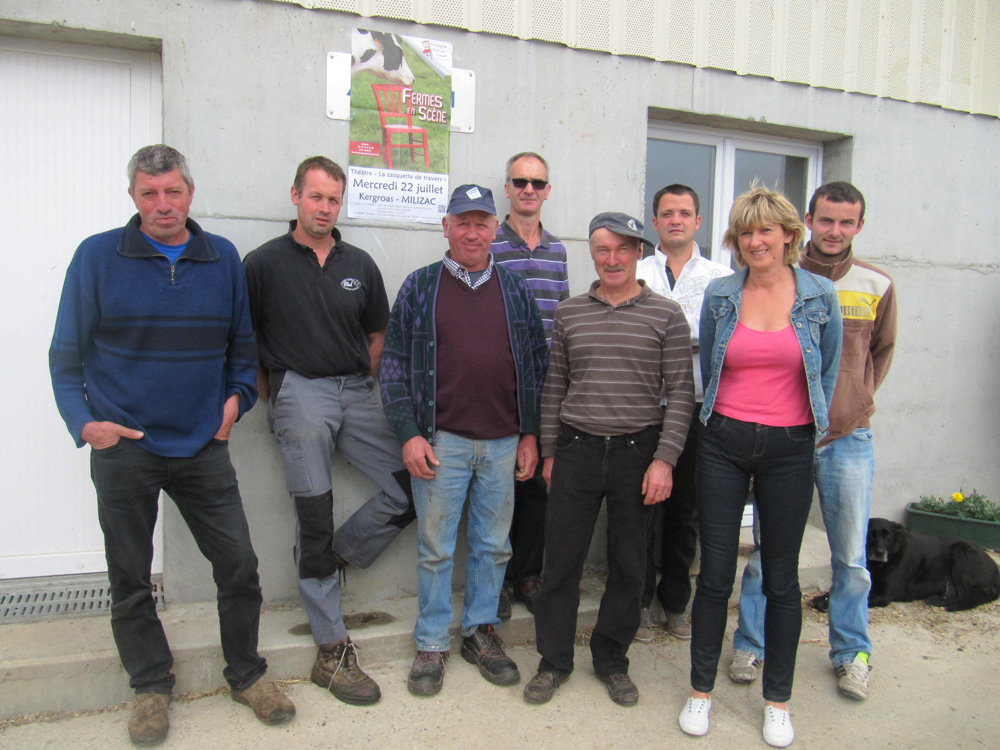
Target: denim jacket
818	327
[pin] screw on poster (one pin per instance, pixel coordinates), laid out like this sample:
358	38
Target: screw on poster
400	117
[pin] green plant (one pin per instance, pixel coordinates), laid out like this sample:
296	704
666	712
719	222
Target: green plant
973	506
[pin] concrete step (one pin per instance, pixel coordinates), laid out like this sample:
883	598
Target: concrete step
71	664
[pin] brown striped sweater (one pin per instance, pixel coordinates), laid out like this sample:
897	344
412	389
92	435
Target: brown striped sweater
608	364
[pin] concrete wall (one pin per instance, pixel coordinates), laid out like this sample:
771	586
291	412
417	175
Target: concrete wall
243	98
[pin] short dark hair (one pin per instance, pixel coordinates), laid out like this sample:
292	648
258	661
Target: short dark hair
676	189
524	155
158	159
838	192
319	162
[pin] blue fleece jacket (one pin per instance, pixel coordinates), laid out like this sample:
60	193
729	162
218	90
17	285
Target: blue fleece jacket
151	345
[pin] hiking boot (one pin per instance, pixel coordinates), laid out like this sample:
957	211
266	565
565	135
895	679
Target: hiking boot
503	604
336	669
485	649
854	677
745	667
526	590
621	688
427	673
542	686
267	701
149	722
678	626
645	632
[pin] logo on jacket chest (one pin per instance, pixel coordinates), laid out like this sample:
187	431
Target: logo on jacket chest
351	285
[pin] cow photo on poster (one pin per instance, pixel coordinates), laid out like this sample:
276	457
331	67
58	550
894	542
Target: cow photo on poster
400	117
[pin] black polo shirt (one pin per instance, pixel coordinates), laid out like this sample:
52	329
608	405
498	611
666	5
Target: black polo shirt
310	319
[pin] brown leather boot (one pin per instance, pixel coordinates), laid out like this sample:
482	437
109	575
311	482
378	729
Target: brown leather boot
149	722
336	669
267	701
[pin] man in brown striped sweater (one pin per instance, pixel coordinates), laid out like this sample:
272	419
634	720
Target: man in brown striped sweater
605	435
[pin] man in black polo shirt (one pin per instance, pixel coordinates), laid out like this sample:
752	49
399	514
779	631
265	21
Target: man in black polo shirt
319	310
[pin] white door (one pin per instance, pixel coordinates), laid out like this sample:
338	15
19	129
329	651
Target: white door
70	118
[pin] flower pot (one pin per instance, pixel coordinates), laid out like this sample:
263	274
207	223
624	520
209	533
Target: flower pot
983	533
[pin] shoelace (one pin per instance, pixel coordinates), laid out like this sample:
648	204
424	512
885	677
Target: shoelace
349	665
493	643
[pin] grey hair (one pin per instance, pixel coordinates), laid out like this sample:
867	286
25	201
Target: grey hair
157	159
522	155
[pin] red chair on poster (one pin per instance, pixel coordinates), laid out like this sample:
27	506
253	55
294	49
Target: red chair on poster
396	121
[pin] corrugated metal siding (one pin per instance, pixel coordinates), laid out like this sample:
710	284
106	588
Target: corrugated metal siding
944	52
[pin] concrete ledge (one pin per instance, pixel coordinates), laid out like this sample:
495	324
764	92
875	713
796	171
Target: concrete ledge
72	664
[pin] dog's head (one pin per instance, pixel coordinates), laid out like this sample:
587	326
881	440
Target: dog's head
884	538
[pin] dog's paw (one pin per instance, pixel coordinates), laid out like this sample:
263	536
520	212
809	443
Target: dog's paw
821	602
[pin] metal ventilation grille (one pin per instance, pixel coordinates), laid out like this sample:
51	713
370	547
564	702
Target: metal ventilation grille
547	20
31	599
944	52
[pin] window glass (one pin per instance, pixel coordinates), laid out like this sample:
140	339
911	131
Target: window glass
786	174
691	164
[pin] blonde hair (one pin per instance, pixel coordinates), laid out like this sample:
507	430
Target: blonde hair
759	206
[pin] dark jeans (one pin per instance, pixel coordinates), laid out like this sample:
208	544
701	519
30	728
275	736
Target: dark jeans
679	538
527	531
128	481
587	469
780	460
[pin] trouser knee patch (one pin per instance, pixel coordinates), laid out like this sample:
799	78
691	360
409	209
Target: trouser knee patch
315	516
402	478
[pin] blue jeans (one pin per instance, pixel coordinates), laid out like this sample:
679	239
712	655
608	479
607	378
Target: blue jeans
128	480
483	470
780	460
587	470
844	473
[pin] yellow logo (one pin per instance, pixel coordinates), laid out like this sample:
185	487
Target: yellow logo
858	305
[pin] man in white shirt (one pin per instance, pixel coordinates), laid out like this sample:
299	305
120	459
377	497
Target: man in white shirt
677	270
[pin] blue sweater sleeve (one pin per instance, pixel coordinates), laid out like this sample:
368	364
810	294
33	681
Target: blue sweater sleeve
75	323
241	354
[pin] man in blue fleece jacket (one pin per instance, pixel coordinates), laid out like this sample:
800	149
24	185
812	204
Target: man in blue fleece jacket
152	361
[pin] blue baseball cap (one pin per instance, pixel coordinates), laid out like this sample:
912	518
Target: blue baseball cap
471	198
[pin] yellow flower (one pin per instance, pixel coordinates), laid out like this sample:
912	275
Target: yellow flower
958	497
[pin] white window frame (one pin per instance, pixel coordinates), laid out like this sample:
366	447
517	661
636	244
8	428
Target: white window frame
726	143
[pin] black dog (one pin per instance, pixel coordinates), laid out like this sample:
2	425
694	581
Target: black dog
905	567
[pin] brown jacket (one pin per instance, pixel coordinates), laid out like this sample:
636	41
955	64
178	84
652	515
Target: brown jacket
868	303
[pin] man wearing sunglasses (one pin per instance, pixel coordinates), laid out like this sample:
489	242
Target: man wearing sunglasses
522	245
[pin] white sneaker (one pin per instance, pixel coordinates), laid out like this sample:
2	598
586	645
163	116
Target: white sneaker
778	730
694	716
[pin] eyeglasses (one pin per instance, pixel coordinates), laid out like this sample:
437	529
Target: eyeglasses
521	183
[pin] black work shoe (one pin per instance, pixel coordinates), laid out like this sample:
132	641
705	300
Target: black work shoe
526	591
427	673
336	669
542	686
503	604
620	687
485	649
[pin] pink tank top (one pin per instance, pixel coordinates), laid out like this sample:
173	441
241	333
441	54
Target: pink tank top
763	379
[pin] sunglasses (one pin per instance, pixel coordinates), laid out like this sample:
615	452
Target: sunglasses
521	183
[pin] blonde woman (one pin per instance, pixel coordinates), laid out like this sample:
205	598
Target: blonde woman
770	349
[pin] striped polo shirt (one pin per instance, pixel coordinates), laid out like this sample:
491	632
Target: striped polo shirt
544	268
608	363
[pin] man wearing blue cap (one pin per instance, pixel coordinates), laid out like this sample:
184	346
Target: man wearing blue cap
461	377
606	436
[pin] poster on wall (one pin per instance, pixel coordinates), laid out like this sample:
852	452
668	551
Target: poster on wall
399	135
